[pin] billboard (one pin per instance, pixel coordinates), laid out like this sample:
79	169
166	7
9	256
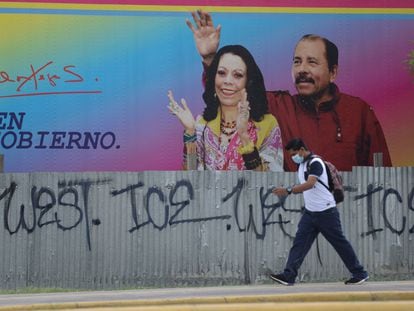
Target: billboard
83	84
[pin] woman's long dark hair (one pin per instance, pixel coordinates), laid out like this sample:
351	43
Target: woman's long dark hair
255	88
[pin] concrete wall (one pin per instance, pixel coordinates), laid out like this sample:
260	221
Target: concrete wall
121	230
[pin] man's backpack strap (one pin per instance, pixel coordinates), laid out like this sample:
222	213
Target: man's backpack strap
326	168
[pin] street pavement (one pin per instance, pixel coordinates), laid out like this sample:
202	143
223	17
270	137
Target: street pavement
257	297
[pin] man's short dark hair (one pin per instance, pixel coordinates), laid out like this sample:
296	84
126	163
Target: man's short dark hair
295	144
331	50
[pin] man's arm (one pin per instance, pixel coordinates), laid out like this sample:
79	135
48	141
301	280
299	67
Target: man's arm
281	105
374	141
315	171
308	184
206	36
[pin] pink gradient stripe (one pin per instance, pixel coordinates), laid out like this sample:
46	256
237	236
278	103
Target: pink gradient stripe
247	3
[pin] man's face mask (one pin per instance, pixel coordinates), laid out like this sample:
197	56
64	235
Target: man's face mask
297	158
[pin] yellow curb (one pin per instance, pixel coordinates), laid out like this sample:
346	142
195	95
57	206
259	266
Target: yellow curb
273	299
310	306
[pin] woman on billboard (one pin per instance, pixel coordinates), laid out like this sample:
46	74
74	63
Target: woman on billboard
235	131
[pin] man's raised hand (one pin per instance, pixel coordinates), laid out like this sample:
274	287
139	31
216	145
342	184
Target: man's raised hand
206	36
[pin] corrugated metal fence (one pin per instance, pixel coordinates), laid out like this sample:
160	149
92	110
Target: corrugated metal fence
121	230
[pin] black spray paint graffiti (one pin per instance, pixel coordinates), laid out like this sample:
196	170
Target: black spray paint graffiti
177	208
47	208
388	194
39	215
258	226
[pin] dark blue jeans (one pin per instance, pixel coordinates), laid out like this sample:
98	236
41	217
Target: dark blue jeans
329	224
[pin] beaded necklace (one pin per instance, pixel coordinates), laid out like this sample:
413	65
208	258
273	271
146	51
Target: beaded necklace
227	129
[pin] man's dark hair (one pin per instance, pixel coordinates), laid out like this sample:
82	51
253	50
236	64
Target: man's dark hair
295	144
331	50
255	87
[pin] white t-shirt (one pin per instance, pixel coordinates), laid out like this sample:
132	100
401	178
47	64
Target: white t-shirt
318	198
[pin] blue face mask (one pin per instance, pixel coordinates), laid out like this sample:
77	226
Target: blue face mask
297	158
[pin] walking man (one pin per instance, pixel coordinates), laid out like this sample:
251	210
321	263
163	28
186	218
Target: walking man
320	216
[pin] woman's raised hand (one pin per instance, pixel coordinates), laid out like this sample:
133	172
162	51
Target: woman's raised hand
243	118
182	112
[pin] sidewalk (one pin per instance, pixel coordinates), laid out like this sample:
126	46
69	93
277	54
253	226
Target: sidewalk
392	295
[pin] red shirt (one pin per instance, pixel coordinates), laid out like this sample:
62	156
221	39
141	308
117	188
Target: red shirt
344	131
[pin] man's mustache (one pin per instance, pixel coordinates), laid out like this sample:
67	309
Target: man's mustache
303	78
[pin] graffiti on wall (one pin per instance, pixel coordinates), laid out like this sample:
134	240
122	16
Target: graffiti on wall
68	206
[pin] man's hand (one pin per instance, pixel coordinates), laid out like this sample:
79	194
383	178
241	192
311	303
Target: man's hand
206	37
281	192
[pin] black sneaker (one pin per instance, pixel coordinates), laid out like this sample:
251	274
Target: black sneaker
356	281
280	278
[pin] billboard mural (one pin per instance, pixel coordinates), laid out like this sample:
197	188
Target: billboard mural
83	84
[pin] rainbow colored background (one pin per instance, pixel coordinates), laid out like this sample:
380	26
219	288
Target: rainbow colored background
130	54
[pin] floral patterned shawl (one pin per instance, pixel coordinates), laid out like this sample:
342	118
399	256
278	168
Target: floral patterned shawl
265	135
